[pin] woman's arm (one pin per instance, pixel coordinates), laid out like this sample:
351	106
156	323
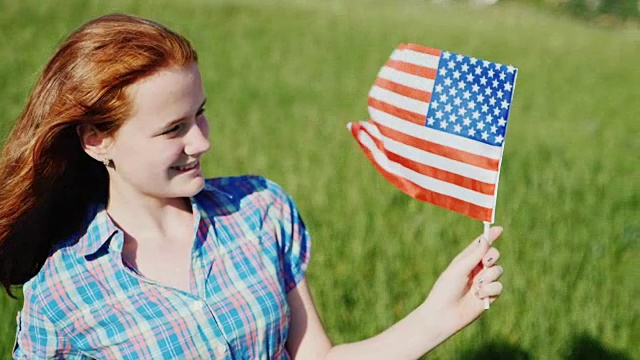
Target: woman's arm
455	301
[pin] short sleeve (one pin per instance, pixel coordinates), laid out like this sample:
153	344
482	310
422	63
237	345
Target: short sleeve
294	240
36	336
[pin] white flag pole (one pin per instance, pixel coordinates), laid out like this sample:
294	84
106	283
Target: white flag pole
487	224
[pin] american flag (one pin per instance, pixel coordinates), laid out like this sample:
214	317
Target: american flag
437	127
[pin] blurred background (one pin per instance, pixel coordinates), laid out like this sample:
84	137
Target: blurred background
283	77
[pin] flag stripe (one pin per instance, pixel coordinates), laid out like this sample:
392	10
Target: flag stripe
403	102
396	121
441	150
420	193
412	69
431	171
405	116
423	181
404	90
420	48
405	79
416	58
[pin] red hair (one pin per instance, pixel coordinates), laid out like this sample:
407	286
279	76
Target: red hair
47	180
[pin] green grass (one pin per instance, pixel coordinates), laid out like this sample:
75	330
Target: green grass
284	77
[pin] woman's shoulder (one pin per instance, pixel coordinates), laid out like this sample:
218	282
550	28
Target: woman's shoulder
241	189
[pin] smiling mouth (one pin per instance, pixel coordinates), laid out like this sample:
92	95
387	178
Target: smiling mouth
185	167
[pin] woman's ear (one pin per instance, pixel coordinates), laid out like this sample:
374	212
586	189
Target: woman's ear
95	143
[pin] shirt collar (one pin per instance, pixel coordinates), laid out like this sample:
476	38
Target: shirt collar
100	230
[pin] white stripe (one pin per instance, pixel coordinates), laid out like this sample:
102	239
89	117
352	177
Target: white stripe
430	159
434	136
416	58
397	100
406	79
423	181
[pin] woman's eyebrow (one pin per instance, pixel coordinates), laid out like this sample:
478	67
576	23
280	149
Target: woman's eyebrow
173	122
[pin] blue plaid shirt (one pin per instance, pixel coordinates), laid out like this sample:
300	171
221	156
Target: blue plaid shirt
250	249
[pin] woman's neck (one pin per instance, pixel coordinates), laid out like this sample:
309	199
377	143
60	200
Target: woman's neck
146	218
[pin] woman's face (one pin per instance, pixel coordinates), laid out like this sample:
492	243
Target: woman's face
157	151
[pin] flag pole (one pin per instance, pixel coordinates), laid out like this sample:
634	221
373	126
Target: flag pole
487	224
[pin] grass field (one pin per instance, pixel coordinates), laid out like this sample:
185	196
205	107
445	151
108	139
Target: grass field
284	77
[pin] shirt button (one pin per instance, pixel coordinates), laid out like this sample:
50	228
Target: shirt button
198	305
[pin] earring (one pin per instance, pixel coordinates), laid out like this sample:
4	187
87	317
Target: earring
106	162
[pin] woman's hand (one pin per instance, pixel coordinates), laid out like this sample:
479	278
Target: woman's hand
457	296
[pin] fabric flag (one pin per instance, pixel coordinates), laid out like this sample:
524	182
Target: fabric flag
436	128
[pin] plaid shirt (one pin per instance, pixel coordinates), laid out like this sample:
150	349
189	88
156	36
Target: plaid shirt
250	249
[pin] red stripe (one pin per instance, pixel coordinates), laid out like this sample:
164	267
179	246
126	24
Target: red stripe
438	149
433	172
420	48
404	90
412	69
420	193
397	112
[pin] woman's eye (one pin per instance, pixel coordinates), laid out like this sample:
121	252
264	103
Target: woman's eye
173	129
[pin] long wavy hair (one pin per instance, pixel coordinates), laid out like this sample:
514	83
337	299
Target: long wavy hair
47	180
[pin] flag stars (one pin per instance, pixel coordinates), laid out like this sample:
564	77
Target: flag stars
472	132
475	115
502	76
439	88
461	84
487	91
508	87
492	101
480	98
457	128
511	69
499	93
456	74
496	111
489	119
471	104
478	70
466	95
444	98
430	121
491	73
493	129
447	108
485	63
439	114
484	108
453	118
504	104
475	88
453	92
483	81
464	67
443	124
485	135
498	139
466	121
480	125
473	60
451	64
502	122
447	82
469	77
462	111
459	58
435	104
442	72
457	101
446	54
494	83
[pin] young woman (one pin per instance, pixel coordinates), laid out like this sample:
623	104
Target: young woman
127	252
